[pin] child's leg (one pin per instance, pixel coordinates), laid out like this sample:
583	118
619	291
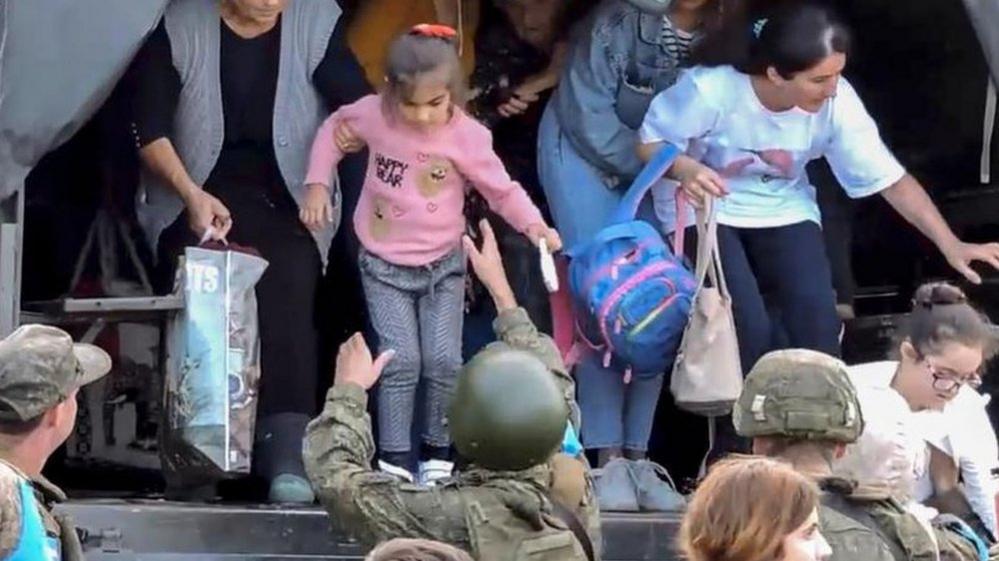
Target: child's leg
441	315
392	308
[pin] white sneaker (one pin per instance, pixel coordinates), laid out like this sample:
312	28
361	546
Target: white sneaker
432	471
395	470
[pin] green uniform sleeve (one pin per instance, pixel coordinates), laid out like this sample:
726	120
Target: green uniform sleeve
514	328
369	505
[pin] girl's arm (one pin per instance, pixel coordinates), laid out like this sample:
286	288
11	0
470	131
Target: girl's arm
320	207
325	154
478	163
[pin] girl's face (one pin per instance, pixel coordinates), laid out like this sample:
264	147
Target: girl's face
429	102
806	542
930	381
810	89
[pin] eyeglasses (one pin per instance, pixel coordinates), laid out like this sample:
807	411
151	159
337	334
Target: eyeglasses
951	382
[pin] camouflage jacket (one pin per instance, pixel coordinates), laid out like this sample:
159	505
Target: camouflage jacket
883	530
373	506
851	530
58	526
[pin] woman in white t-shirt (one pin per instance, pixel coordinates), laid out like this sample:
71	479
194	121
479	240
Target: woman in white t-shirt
749	119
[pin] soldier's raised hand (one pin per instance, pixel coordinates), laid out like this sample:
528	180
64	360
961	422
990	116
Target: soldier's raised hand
488	266
354	364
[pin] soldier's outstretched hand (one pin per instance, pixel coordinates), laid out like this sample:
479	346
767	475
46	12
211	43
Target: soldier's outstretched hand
354	364
487	263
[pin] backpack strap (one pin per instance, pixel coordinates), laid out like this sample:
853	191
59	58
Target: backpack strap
650	175
575	525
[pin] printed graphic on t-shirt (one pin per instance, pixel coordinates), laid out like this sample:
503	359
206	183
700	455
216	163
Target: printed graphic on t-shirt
432	176
389	170
380	224
768	165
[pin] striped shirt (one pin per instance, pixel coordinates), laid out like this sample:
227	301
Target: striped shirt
675	42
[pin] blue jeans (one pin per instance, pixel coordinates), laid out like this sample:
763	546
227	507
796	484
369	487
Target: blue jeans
613	414
787	268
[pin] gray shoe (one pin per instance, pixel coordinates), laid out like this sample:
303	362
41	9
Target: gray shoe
616	487
655	488
290	489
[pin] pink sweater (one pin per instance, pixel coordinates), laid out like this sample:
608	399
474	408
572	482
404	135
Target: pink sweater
411	207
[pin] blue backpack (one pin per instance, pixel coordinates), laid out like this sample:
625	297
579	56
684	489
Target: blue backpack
631	296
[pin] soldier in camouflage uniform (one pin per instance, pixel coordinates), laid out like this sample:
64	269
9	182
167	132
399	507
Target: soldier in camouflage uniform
518	498
800	406
41	370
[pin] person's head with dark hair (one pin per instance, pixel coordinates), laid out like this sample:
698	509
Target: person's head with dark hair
403	549
423	79
795	51
537	22
942	345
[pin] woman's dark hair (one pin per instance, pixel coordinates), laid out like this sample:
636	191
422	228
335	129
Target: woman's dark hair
940	315
412	56
789	35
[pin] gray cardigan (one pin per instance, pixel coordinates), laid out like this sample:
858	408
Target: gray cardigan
193	28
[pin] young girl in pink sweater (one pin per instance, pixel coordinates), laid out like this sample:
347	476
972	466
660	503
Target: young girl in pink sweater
424	152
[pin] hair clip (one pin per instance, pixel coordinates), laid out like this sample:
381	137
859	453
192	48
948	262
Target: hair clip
758	27
437	31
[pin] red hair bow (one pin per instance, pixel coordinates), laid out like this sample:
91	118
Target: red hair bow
434	30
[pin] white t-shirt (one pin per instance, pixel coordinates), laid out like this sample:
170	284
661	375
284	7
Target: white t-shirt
715	116
962	430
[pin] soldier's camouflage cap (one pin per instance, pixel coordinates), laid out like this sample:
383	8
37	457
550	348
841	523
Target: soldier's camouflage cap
799	394
40	366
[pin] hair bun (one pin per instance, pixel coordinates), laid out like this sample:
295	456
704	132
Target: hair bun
938	294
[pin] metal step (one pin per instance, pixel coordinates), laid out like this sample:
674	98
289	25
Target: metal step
164	531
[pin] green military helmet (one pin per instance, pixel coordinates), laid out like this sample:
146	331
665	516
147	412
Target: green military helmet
508	413
799	394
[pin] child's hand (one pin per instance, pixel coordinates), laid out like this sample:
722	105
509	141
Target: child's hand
537	232
346	139
317	209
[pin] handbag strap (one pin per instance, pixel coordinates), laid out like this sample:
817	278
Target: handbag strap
708	260
649	176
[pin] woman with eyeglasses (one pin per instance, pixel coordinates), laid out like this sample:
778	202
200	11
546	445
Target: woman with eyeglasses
930	394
